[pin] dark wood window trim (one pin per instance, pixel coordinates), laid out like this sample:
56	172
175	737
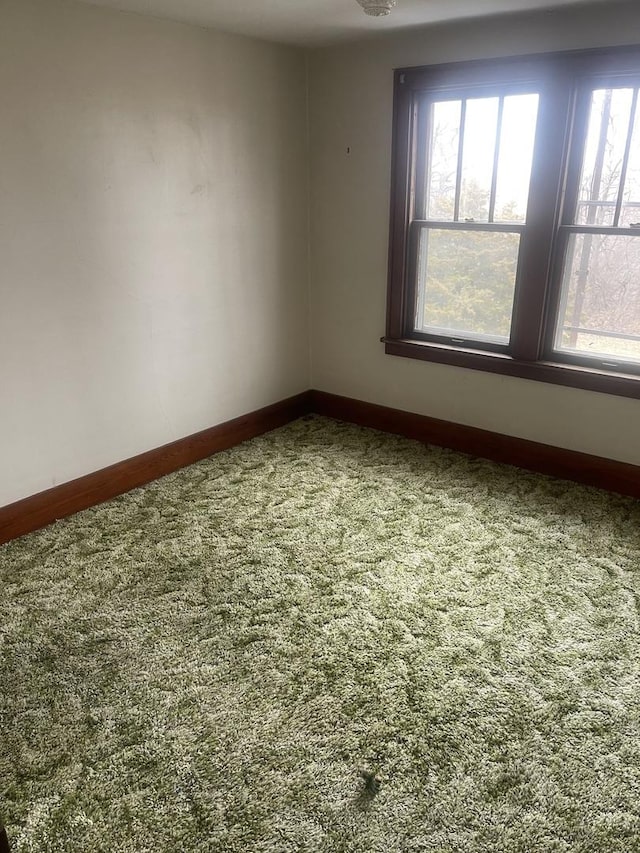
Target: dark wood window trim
555	176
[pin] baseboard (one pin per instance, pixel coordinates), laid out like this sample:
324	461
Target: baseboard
42	509
541	458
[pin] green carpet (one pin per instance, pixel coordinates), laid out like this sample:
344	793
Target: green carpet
326	639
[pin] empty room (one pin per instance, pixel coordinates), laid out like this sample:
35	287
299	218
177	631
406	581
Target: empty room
320	426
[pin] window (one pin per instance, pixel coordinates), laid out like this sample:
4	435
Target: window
515	218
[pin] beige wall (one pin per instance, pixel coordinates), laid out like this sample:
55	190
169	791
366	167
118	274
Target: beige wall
153	235
351	103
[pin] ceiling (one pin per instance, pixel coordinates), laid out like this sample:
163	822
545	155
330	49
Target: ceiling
309	22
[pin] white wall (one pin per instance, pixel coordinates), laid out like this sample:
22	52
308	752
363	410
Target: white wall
153	235
351	106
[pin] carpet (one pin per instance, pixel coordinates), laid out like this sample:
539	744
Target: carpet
326	639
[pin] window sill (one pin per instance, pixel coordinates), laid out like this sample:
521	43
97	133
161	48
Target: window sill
574	376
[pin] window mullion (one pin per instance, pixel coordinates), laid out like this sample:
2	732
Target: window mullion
558	296
555	111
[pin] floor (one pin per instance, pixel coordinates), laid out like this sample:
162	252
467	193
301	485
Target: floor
326	639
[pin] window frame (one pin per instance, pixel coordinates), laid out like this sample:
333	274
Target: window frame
561	79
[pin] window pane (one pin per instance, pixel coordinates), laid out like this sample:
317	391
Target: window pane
519	119
466	282
600	308
480	128
488	130
443	159
631	198
603	156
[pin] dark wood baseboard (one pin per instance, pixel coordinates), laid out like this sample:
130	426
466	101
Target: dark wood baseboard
44	508
542	458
